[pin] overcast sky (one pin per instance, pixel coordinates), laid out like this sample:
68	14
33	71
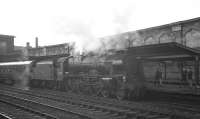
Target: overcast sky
83	21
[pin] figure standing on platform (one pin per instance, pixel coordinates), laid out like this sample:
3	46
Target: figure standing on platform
158	77
184	77
189	77
161	77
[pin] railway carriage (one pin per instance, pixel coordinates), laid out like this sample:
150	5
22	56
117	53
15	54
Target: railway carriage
15	73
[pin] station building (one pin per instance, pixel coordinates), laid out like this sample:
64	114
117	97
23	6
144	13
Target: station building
185	32
171	48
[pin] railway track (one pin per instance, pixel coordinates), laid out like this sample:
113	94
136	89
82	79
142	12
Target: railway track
4	116
45	106
163	108
108	107
9	111
190	102
55	107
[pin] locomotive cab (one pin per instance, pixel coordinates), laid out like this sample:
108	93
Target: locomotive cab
135	79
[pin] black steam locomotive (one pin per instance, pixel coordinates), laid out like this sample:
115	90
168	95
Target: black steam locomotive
109	78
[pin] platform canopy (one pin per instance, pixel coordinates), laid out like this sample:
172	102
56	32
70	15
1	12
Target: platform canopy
164	51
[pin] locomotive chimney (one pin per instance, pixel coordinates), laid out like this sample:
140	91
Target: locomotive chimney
36	42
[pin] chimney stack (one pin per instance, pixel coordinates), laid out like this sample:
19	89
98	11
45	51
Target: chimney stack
36	42
27	45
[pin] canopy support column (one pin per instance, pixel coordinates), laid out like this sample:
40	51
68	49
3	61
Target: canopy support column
165	71
196	70
54	69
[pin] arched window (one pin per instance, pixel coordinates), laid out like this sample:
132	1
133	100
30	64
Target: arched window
150	40
192	38
167	37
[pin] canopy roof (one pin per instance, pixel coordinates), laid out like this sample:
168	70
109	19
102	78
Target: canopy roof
164	51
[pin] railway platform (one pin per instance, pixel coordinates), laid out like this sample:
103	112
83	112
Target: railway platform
185	90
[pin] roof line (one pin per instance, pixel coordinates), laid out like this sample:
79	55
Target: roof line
196	51
188	48
2	35
159	26
170	24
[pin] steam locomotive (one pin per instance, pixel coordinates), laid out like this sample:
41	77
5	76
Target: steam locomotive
106	78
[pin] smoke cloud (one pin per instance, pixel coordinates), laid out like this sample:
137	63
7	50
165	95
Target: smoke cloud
88	33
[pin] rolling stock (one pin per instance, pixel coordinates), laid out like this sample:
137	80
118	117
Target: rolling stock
129	76
16	73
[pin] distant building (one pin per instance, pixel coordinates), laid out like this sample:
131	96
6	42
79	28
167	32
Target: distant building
7	51
6	44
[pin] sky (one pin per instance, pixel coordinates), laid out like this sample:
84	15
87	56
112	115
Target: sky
85	21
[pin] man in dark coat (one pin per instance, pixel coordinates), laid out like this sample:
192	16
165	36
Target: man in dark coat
184	77
190	79
158	76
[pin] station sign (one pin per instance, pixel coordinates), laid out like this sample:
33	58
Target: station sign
52	50
117	62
